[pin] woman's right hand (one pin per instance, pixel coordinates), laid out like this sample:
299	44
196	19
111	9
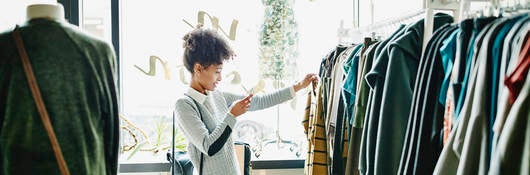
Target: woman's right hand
241	106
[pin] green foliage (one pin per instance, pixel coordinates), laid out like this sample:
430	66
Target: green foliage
162	138
278	41
135	150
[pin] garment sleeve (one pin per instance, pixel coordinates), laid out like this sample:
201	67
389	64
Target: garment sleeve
110	110
195	131
259	102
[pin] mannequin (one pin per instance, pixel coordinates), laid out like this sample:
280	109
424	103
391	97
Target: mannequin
76	73
54	11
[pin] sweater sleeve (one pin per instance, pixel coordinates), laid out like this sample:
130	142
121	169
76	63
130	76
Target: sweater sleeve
194	129
259	102
111	112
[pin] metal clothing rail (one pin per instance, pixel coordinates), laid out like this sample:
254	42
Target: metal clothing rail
372	29
390	21
459	8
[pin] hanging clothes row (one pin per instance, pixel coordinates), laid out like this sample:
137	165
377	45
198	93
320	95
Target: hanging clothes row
359	111
325	114
383	107
391	81
485	96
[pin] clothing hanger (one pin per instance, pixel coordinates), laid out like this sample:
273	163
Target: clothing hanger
430	5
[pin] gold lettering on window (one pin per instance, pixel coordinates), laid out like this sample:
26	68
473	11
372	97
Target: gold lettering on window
201	15
152	67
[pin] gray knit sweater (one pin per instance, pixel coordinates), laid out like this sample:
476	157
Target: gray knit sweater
212	137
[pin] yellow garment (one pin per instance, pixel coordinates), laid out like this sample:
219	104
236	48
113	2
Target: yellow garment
316	162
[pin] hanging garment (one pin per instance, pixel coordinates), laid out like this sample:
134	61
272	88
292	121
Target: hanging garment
512	155
336	109
468	149
366	162
449	161
476	150
361	105
514	81
329	95
447	51
338	163
76	74
506	67
348	118
494	74
423	140
361	100
392	80
498	45
478	26
316	162
455	85
349	85
355	133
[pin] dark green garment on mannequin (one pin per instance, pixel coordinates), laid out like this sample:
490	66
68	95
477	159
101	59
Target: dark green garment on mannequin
77	78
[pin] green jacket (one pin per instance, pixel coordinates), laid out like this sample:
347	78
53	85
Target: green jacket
392	79
77	79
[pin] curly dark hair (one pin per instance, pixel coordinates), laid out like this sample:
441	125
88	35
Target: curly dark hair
206	47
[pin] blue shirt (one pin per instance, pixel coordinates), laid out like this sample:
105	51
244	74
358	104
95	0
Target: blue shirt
350	83
447	51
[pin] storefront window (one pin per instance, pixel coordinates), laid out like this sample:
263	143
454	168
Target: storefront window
96	18
374	11
12	13
153	77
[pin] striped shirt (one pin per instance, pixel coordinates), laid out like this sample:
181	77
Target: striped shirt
211	136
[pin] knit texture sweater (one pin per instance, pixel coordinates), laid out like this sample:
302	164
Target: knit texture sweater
76	74
211	135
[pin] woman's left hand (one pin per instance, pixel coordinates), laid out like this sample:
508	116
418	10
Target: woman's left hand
305	82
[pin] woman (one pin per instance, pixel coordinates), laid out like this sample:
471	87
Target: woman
206	116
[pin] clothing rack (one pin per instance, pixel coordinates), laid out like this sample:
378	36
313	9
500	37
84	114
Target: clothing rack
357	33
512	6
390	21
459	8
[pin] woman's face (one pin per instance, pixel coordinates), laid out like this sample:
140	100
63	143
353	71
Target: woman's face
210	76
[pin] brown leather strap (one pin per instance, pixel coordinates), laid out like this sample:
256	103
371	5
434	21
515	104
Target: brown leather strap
38	101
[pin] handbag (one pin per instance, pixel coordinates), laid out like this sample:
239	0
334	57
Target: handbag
43	113
246	157
182	163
